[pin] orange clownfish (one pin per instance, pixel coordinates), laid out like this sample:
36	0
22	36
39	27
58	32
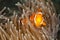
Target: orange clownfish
37	19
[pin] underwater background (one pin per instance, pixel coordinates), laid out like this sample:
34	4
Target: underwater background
57	7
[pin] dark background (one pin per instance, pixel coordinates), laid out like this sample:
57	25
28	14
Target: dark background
11	4
57	7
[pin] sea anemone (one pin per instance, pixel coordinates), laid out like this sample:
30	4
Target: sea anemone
28	23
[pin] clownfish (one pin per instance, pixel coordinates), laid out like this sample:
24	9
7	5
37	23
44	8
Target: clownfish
36	19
